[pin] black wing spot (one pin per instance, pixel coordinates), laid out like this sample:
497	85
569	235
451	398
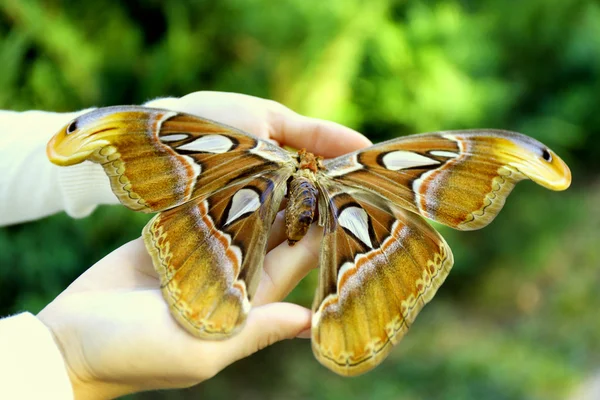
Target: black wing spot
72	127
546	155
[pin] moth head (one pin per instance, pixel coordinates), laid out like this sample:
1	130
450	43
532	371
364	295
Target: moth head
87	134
541	165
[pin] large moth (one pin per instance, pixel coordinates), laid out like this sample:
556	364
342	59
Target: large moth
217	191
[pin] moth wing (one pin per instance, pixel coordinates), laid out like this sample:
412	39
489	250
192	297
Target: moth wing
458	178
158	159
380	264
209	253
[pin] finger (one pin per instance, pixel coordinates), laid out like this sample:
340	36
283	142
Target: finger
241	111
277	233
266	325
324	138
287	265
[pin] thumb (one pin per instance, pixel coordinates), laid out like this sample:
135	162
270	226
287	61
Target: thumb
269	324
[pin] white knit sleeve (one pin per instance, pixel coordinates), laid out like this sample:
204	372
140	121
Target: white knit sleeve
31	365
30	186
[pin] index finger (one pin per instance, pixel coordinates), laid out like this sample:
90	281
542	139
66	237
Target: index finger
321	137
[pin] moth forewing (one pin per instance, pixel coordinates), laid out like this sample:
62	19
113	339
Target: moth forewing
451	177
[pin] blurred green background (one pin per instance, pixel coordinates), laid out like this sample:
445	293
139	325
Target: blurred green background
518	317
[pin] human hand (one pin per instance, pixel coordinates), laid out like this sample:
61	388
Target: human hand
114	328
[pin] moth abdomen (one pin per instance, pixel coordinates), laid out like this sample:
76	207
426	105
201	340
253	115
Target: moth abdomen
301	206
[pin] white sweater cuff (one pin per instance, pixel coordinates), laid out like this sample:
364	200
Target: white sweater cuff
84	186
31	364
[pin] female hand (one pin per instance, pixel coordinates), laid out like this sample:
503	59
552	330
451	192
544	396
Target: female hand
114	328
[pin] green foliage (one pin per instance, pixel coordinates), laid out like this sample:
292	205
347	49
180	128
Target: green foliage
516	319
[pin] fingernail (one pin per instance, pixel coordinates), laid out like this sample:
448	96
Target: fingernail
305	334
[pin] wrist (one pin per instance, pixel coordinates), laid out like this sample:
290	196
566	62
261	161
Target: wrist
98	390
85	385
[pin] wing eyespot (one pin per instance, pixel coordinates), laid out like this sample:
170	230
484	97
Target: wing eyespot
71	128
546	155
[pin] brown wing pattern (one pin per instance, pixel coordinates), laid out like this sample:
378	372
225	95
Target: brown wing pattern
158	159
458	178
218	189
379	266
209	253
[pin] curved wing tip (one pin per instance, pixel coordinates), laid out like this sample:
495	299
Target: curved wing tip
552	173
564	182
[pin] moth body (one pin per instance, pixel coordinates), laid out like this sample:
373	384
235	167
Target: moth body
302	204
302	195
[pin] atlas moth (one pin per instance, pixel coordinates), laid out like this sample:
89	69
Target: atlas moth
216	191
